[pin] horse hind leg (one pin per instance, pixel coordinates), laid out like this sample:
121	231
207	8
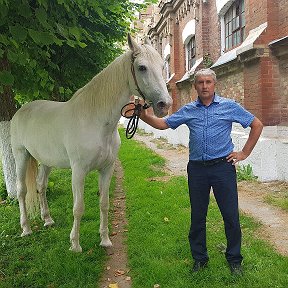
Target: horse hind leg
104	184
42	183
78	177
21	159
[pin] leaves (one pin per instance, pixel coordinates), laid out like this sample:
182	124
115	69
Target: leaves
18	32
41	38
70	40
6	78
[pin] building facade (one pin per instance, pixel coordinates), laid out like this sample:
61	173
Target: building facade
244	41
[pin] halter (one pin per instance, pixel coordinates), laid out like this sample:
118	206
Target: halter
133	113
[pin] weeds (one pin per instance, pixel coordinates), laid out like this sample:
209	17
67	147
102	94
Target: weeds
245	173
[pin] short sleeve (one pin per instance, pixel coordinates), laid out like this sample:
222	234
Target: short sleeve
178	118
242	116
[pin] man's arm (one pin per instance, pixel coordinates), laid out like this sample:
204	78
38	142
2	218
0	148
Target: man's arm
152	120
255	132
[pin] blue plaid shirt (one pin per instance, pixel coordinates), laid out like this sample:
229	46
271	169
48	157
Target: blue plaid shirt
210	126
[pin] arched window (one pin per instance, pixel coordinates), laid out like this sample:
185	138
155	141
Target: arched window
167	70
234	21
190	53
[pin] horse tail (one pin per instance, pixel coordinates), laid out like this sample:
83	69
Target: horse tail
32	199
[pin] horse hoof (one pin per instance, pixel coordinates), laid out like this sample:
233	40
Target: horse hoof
76	249
49	223
106	243
26	233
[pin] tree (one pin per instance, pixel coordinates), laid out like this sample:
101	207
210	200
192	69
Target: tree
49	49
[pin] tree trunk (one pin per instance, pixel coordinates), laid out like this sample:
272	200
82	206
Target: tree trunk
8	162
7	110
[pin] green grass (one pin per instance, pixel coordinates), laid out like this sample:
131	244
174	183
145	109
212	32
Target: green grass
159	219
280	200
43	259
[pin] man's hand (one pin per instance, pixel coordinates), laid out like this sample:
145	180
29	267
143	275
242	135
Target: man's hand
236	157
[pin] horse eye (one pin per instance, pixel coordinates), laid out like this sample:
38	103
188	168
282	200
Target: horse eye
142	68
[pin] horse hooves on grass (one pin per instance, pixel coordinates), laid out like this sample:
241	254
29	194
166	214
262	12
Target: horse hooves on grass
76	249
106	242
49	223
26	233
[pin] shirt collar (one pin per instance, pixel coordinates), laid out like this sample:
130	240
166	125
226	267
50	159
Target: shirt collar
216	100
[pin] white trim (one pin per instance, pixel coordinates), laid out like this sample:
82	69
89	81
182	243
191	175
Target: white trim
188	31
167	51
223	6
191	71
247	44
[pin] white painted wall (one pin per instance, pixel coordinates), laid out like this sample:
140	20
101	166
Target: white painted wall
269	158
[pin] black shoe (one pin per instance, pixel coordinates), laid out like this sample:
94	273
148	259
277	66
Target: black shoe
198	265
236	269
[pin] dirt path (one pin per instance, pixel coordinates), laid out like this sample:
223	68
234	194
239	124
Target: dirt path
116	272
251	194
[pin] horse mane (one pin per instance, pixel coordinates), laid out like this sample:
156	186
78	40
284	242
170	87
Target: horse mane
102	89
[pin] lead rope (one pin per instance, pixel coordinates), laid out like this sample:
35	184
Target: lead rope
133	115
136	109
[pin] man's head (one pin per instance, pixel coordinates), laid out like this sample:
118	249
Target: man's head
204	83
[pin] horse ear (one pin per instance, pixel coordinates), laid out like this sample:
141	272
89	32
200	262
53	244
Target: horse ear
147	41
132	44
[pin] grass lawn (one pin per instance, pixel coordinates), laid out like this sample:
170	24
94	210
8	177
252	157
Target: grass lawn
43	259
159	218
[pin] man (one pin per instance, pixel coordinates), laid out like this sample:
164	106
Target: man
212	163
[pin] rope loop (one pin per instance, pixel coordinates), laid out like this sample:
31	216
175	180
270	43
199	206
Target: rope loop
133	114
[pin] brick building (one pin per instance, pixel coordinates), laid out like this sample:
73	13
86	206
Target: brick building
244	41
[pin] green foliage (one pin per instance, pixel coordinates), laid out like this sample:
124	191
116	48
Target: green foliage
207	61
50	48
159	219
245	172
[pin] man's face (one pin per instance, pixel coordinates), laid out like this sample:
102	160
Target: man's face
205	87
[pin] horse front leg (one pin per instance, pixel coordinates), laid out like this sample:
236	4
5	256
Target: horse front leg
78	178
104	184
42	183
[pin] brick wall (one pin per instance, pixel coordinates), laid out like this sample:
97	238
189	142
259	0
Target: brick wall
256	13
213	34
258	79
283	18
252	80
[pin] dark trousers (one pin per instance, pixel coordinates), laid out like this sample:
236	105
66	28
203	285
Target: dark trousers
222	178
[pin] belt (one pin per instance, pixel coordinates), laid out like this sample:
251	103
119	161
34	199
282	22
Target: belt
209	162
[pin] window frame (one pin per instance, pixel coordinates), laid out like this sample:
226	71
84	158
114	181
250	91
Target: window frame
234	25
190	49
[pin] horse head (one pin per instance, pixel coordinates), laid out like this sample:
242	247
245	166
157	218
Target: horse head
147	67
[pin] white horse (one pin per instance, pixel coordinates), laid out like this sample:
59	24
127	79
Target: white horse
82	134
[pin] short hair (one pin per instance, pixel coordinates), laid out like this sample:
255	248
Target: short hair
205	72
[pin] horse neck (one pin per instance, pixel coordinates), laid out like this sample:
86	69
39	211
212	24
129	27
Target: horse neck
106	93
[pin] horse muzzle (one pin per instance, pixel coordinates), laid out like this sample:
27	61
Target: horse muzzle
161	108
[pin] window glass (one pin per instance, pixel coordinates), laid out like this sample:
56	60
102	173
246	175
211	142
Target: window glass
167	68
190	53
234	20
